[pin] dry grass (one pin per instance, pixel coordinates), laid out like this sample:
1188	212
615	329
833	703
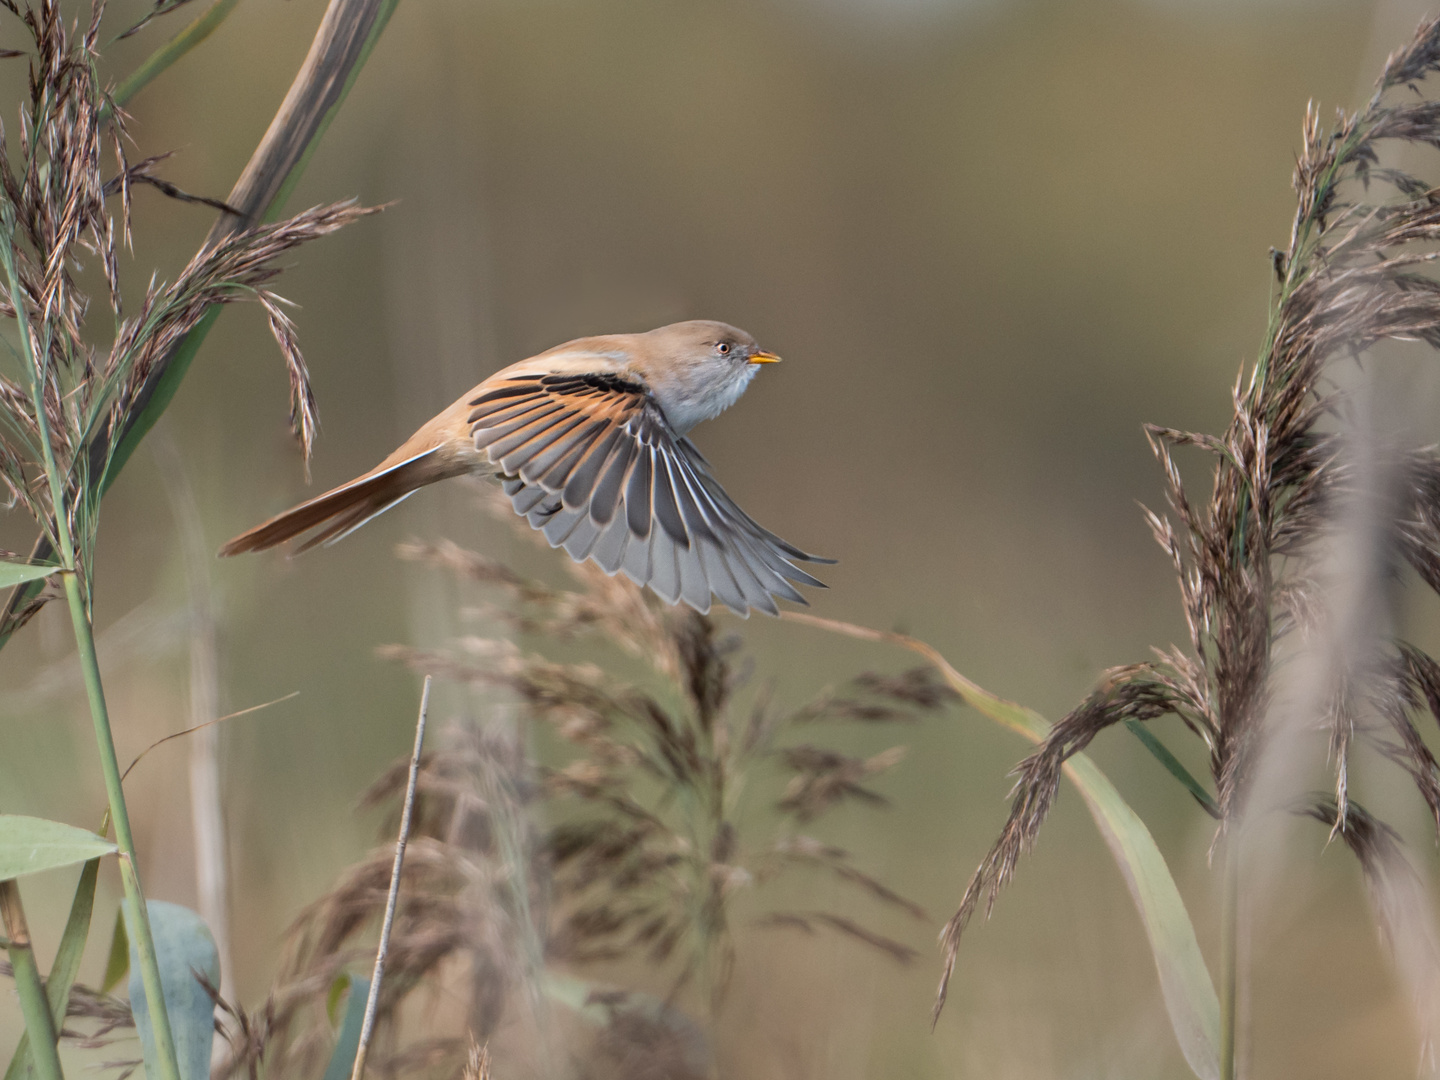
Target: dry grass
627	851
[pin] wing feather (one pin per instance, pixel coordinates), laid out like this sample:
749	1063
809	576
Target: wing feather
694	587
582	538
609	550
667	509
637	493
636	562
581	484
494	417
607	493
664	574
496	439
552	469
514	453
574	448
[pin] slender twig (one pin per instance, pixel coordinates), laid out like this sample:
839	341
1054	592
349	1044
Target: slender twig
372	1003
33	1003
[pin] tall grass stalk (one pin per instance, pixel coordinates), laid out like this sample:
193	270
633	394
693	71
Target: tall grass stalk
138	918
372	1001
34	1006
80	621
1229	956
632	854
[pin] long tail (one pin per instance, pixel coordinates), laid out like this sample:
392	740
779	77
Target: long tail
342	510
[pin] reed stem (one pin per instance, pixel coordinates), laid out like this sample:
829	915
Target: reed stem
1229	945
139	920
34	1006
372	1003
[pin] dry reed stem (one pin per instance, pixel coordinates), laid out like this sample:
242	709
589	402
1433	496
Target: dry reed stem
372	1002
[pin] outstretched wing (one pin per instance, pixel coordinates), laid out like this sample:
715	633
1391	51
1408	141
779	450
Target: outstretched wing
590	460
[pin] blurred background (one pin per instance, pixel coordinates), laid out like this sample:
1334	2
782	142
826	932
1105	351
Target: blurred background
991	238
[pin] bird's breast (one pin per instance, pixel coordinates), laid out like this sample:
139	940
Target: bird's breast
688	401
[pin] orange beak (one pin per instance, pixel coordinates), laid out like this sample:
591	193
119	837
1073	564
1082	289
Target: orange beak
763	357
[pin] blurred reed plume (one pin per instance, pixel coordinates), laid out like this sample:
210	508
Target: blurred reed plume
1253	588
631	849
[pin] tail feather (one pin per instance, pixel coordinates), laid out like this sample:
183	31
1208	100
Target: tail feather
341	510
350	520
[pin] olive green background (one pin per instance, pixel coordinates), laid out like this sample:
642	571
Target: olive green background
989	237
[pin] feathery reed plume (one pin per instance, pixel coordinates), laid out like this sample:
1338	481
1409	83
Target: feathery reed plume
642	852
54	216
1356	273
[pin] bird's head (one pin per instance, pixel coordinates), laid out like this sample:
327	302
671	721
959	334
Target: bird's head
698	369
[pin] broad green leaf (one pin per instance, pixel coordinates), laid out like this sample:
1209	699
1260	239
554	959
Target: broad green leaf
1185	981
29	845
67	963
117	964
17	573
183	948
342	1058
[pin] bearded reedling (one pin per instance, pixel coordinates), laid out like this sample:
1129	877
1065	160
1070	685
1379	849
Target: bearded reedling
589	441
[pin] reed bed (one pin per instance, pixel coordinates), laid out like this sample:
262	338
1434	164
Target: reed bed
526	873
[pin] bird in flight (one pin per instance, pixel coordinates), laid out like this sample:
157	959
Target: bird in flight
589	441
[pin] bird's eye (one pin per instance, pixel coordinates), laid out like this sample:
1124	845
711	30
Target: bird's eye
723	348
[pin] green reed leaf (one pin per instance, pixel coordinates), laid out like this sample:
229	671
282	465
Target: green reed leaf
1185	982
30	844
17	573
1173	766
117	964
203	26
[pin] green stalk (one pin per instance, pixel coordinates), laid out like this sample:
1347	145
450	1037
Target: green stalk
85	644
139	918
172	50
1229	946
67	962
33	1004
